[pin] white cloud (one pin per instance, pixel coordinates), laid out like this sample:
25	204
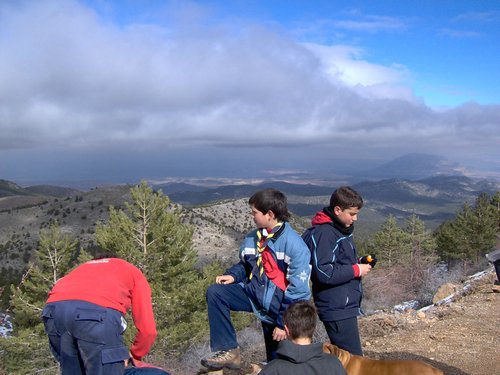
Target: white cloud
371	23
345	64
71	80
458	34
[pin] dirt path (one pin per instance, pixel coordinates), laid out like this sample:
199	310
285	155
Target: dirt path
462	338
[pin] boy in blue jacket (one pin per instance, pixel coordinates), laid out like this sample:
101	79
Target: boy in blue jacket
273	272
336	272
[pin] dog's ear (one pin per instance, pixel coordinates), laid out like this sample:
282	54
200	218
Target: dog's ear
343	355
329	348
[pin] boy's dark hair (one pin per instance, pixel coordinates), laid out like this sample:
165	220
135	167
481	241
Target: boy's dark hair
300	318
271	199
346	197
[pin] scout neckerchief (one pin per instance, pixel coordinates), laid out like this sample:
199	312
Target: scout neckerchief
263	238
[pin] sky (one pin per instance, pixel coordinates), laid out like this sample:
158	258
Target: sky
118	91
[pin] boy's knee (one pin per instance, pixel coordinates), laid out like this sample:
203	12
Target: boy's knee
213	292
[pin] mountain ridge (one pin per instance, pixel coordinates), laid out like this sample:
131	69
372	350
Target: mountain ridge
417	166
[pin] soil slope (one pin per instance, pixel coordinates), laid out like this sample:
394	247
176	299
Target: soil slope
460	338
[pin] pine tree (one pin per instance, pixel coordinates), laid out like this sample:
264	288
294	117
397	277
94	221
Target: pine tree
484	225
391	244
453	237
495	202
472	232
27	352
423	251
422	242
150	235
52	260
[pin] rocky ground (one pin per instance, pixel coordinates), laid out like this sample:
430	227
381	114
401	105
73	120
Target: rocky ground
460	336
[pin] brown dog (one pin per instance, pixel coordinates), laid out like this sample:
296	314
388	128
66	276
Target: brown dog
357	365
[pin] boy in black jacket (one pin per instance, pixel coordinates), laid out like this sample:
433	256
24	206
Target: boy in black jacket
336	270
298	355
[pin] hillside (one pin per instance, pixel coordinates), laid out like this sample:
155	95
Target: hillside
9	188
53	191
22	217
461	337
217	226
219	216
220	227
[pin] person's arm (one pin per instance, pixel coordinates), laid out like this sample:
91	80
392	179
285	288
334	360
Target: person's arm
143	317
326	251
239	271
298	275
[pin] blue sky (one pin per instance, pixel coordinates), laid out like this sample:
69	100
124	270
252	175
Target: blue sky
124	90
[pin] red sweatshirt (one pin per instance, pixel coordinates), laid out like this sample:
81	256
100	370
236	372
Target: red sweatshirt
116	284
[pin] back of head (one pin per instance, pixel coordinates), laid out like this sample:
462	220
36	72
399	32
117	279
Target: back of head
271	200
346	197
300	318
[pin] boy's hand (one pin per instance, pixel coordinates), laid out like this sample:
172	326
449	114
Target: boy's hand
368	259
364	269
128	360
224	279
279	334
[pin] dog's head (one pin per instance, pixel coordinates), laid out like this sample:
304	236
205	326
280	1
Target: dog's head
343	355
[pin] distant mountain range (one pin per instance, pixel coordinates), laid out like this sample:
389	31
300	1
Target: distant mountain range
219	215
407	167
194	195
9	188
416	166
437	191
346	171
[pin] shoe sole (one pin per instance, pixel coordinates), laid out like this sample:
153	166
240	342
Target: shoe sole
220	367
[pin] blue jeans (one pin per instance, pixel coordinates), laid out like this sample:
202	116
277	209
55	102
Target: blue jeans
86	339
221	300
345	334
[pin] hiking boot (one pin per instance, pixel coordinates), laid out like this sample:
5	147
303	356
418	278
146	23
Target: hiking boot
224	358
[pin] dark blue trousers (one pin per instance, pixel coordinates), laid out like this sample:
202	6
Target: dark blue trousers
345	334
86	339
221	300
